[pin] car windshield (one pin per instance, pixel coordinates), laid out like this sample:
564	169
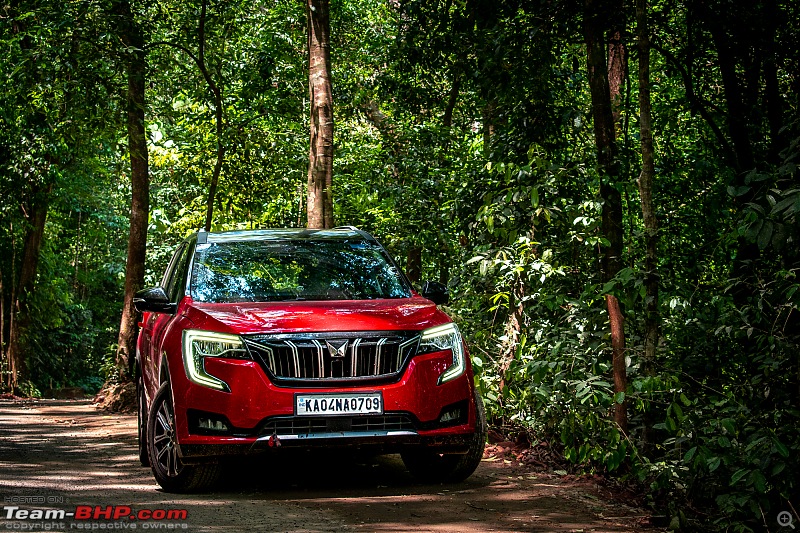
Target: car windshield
268	271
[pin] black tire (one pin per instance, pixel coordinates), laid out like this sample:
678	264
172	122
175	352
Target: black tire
141	416
169	471
430	466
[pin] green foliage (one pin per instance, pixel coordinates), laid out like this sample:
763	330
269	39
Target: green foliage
463	133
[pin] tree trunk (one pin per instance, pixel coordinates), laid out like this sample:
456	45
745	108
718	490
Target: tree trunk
734	99
447	118
652	319
215	89
414	264
133	39
772	17
320	156
595	25
514	325
488	116
10	378
19	315
617	58
731	60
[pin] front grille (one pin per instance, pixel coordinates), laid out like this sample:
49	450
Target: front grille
323	357
293	425
383	423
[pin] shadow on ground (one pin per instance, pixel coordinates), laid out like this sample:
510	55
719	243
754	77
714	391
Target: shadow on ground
69	452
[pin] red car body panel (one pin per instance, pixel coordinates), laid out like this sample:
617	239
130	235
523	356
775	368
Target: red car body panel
415	313
254	397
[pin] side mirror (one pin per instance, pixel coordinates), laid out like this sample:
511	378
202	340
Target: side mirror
155	300
435	292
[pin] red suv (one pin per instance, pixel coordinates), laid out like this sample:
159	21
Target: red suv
268	339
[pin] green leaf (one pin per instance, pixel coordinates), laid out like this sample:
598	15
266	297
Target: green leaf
758	481
739	474
690	454
728	425
786	202
738	191
782	449
765	235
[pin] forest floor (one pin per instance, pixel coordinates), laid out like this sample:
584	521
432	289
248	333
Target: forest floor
66	454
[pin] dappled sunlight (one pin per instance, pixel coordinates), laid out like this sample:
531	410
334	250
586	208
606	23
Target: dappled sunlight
512	510
8	464
91	461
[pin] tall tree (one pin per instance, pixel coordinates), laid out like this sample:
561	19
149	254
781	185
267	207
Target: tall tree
136	68
320	155
34	206
216	91
20	312
595	26
214	83
651	277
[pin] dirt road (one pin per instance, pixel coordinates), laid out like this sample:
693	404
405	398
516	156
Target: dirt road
65	455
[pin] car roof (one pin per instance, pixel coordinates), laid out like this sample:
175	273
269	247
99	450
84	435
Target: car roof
335	234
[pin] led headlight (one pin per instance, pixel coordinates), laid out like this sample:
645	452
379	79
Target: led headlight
197	345
445	337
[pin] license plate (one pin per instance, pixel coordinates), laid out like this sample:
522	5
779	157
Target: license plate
366	403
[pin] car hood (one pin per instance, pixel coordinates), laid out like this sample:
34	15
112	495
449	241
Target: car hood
409	314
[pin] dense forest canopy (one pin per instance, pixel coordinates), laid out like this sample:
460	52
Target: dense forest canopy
609	189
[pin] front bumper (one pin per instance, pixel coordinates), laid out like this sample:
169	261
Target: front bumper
257	412
372	443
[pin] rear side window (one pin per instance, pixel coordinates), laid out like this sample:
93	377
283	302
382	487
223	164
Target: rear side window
263	271
175	278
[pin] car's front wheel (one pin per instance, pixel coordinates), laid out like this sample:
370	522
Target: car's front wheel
430	466
162	445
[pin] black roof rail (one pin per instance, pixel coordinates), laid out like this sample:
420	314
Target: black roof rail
361	232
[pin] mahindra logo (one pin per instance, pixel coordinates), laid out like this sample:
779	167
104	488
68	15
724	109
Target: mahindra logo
337	348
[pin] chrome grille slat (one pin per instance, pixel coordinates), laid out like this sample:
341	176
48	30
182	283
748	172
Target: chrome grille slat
320	359
295	359
354	358
307	357
377	357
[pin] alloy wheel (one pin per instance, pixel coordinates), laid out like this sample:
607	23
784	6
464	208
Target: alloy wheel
164	441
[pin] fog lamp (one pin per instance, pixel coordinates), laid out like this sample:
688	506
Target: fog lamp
454	414
213	425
